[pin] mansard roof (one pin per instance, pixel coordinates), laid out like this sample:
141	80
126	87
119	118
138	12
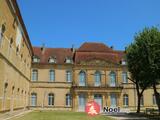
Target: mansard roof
92	51
86	52
59	53
94	47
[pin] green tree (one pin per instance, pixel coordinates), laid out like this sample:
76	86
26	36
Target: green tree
143	57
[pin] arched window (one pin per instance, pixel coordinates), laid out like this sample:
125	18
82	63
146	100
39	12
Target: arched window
33	99
68	99
52	75
34	75
124	77
50	99
82	78
97	78
68	76
112	79
125	100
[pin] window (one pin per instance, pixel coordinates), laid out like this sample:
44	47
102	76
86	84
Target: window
82	78
36	59
142	101
154	99
97	78
113	100
125	100
17	50
52	75
68	76
113	79
33	99
52	60
81	102
34	75
50	99
124	77
68	99
123	62
2	30
68	60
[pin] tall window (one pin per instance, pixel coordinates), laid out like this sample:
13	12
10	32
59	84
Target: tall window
97	78
52	75
81	102
68	76
50	99
33	99
34	75
113	79
82	78
68	99
142	101
125	100
113	100
154	99
2	30
124	77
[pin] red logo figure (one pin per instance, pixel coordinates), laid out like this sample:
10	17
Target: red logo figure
92	108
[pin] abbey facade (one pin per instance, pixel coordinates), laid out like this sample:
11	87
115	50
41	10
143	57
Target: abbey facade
60	78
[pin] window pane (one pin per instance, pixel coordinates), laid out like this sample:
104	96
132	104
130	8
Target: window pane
97	78
125	100
82	79
68	76
33	99
154	99
50	99
34	75
68	100
112	79
142	101
52	75
124	77
113	100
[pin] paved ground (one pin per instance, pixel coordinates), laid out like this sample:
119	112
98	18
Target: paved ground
133	116
128	117
10	115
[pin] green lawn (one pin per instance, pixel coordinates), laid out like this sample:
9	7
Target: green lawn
60	115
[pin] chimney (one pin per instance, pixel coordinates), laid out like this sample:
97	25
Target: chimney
112	47
73	49
43	48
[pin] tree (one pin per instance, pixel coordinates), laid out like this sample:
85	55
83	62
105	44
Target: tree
143	58
137	70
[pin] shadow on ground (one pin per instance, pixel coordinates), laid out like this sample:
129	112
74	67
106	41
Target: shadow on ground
134	116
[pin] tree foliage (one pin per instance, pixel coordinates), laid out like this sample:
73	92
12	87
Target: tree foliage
143	57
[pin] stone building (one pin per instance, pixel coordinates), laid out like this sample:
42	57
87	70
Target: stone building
60	78
15	58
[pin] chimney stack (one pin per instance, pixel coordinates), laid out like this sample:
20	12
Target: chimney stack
43	48
73	49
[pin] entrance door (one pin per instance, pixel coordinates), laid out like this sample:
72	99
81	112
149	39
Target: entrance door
98	99
81	102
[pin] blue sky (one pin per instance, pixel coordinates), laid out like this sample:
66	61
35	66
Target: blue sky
63	23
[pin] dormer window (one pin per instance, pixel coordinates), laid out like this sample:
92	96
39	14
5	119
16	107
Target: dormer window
123	62
36	59
52	60
68	60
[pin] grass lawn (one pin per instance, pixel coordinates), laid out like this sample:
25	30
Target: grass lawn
60	115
